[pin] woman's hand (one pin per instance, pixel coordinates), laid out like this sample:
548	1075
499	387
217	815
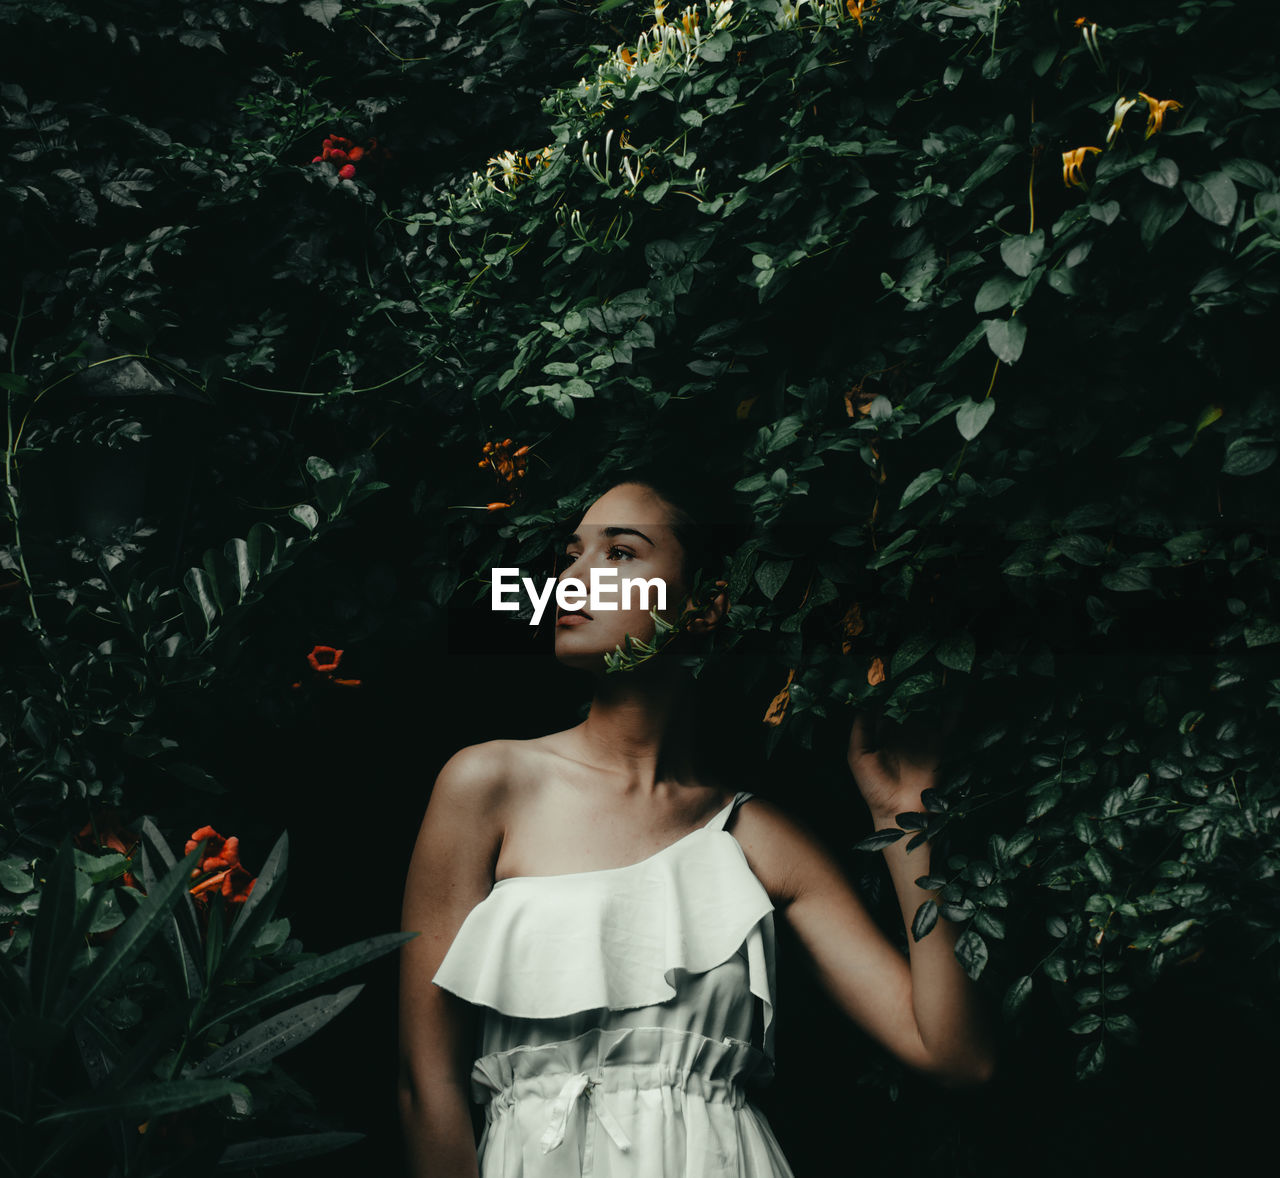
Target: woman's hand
891	779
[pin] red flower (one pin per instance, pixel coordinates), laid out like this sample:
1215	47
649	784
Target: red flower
220	868
113	835
347	171
333	656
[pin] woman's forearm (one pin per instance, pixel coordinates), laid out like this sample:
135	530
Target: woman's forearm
944	999
439	1139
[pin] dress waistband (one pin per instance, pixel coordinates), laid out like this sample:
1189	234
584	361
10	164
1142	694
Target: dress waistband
627	1058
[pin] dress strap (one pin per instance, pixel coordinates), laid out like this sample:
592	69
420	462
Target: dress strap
722	820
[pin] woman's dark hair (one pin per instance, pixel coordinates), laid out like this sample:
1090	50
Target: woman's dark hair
709	523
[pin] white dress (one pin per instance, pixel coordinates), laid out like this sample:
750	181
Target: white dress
620	1007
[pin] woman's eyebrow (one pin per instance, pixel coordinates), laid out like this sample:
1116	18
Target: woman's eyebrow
613	531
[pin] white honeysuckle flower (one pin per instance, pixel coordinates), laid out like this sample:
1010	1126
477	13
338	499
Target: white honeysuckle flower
719	13
659	13
789	14
632	174
1123	106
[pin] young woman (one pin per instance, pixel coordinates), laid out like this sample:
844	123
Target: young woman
596	953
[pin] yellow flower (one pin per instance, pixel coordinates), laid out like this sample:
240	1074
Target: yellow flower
851	625
1073	165
1156	111
781	702
856	7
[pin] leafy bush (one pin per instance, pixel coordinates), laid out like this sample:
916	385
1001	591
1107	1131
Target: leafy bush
967	302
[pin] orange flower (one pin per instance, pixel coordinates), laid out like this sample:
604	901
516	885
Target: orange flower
1073	165
329	653
876	672
506	463
113	835
851	625
1080	22
1156	110
220	870
496	506
856	7
777	709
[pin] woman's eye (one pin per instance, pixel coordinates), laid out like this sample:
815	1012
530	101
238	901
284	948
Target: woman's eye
615	552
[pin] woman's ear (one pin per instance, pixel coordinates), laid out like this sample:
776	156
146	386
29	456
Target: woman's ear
710	617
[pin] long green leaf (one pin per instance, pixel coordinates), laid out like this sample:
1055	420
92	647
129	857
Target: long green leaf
274	1151
313	973
259	1045
146	1100
260	906
53	945
132	936
185	919
192	980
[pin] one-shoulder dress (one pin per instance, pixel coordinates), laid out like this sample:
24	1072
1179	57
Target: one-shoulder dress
625	1011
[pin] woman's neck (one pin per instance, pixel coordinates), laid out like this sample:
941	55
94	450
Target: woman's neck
641	726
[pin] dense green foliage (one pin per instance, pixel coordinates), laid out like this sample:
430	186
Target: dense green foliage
997	404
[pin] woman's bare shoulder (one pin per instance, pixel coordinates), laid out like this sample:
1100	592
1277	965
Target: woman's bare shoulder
782	852
485	776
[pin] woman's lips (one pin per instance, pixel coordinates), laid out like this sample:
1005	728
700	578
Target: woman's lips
574	619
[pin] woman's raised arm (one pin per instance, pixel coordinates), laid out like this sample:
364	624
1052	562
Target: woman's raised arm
450	872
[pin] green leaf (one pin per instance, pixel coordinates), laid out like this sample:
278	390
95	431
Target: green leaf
319	469
1213	196
1021	253
995	293
956	651
1249	456
919	485
312	973
972	417
1163	172
1261	632
1016	995
274	1151
146	1101
1006	338
926	917
53	942
132	936
879	840
306	515
15	876
771	575
971	952
204	595
259	1045
322	10
909	653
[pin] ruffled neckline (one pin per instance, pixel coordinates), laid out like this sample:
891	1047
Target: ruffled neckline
616	938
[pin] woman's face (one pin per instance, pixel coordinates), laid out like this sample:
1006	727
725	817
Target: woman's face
626	530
